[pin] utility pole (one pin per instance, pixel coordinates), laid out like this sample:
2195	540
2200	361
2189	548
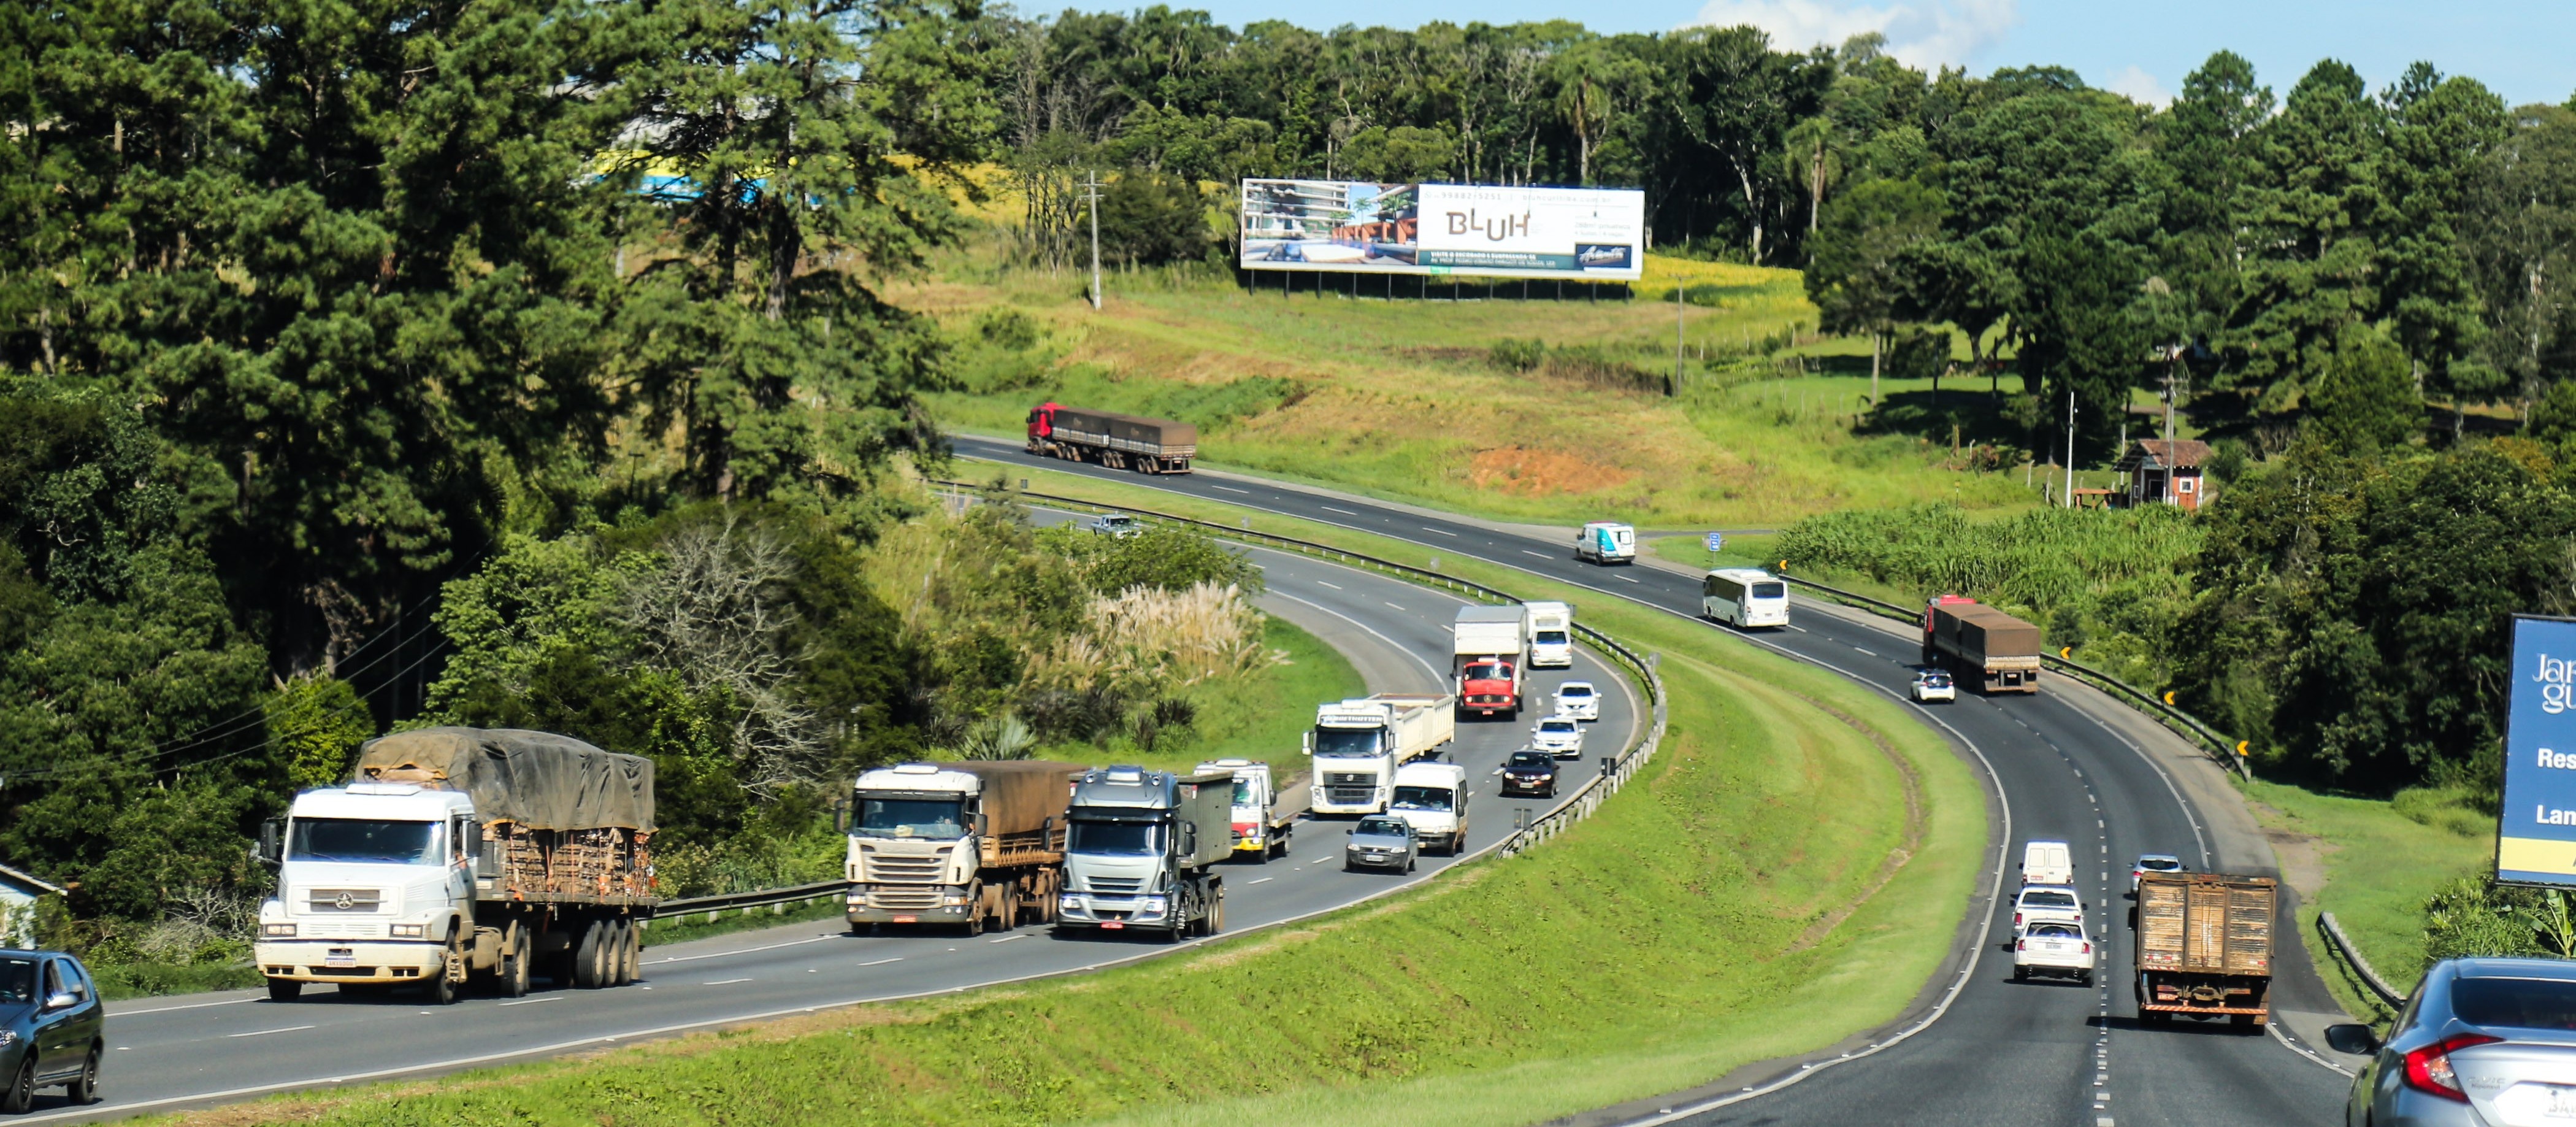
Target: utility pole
1677	338
2070	448
1091	181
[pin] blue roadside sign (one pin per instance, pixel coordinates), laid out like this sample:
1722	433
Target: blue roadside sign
1717	541
2536	837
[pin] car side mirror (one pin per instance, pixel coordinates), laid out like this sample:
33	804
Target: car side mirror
62	1000
1350	833
2356	1040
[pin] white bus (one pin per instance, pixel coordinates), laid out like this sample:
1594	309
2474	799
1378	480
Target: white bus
1744	597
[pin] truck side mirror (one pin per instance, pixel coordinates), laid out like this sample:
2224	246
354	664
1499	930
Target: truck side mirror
487	859
267	852
1310	743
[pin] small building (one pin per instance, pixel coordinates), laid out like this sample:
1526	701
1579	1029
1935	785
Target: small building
18	895
2165	473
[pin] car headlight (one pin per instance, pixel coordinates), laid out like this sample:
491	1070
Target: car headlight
277	931
410	931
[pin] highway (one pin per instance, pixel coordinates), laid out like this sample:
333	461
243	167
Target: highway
2066	766
213	1048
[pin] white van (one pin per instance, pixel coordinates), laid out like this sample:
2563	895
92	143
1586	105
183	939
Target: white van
2047	862
1606	542
1432	798
1551	635
1744	596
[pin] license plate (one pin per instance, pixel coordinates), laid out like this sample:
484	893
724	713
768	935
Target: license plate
907	919
340	957
1113	925
1373	857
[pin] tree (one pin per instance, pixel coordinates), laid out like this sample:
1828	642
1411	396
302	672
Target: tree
1153	217
2206	139
2312	215
2366	400
1860	281
1593	80
1735	98
2522	252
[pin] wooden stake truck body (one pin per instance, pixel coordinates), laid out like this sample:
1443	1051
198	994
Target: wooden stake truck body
2204	946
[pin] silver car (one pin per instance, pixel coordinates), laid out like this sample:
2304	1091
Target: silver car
1118	526
1381	841
2484	1041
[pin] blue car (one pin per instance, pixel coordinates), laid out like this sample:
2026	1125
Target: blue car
52	1028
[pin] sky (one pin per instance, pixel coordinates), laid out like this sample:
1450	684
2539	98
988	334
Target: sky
2518	48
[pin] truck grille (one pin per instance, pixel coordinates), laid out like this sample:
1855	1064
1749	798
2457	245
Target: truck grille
1346	795
904	899
892	868
1345	778
340	900
1118	886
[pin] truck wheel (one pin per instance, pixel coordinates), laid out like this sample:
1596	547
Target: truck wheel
284	989
514	965
442	988
621	953
1010	918
1216	916
586	959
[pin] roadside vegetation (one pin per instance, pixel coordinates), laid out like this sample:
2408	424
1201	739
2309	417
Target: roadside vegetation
1763	887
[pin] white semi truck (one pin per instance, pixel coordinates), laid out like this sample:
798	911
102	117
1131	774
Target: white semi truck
462	853
1358	743
970	845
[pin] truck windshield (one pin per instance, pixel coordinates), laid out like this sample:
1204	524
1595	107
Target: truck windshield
913	817
1489	671
1243	792
1130	838
1344	743
362	840
1551	637
1419	798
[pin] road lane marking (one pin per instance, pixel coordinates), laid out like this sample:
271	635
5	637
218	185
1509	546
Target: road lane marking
1437	677
266	1032
1628	578
1265	880
1541	555
174	1009
1872	654
1393	605
1344	512
724	982
1008	938
1334	586
534	1001
1802	629
741	951
882	962
1441	531
1230	489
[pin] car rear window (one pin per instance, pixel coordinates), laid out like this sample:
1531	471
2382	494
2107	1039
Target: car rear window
2519	1003
2053	931
1575	691
2159	865
2047	900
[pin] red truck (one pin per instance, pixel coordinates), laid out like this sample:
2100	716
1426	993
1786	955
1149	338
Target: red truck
1120	442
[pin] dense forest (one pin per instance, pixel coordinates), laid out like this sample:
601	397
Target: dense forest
363	363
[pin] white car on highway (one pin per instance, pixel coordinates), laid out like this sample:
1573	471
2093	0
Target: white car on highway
2053	948
1932	684
1576	699
1559	736
1117	526
2047	903
2153	863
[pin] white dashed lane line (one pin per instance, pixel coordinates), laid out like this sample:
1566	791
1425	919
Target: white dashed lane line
1231	489
1541	555
724	982
1442	531
266	1032
882	962
1334	586
1391	604
1344	512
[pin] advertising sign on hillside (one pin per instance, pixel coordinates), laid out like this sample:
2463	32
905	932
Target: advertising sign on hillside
2536	842
1348	227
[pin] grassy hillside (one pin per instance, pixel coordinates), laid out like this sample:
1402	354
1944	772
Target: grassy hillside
1402	398
1788	871
2381	860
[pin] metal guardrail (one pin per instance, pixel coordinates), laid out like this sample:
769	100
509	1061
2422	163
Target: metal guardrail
2388	995
1576	807
2188	726
773	898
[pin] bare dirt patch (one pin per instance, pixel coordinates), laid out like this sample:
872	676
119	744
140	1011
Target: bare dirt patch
1525	472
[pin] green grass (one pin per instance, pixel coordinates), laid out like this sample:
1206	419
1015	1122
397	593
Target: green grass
2380	865
1703	919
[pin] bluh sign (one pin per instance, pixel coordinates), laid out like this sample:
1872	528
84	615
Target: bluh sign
1351	227
2536	837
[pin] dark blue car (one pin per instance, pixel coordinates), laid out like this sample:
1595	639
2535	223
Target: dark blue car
52	1028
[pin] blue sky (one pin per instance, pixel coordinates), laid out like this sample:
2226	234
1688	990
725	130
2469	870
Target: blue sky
2520	48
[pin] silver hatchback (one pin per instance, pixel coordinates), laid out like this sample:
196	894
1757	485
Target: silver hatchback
2483	1043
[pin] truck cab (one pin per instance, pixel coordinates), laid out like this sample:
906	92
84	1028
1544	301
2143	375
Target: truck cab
1551	635
1489	687
1354	753
1432	798
375	883
968	845
1261	828
1141	851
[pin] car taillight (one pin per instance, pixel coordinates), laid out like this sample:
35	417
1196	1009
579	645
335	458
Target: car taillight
2428	1069
2088	949
2021	945
2016	919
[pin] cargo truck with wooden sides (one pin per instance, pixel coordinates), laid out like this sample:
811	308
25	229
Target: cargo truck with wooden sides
1144	850
463	854
1984	648
2204	944
1120	442
971	845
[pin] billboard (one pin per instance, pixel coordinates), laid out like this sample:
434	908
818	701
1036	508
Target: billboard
1356	227
2536	841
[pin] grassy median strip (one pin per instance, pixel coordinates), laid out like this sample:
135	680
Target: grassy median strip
1788	871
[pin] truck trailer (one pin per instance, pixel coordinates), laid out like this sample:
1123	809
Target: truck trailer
1988	650
1264	814
970	845
1358	743
1144	850
462	853
2205	947
1120	442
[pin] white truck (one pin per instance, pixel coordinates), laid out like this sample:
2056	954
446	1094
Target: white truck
1489	657
1432	798
969	845
1264	815
1606	542
1358	743
460	853
1551	635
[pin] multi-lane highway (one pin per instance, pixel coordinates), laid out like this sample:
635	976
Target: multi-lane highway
2066	765
210	1048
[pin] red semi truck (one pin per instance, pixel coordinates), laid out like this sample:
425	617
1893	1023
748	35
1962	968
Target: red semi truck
1120	442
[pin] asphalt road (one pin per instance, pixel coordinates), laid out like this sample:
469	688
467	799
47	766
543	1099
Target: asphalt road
203	1049
1999	1052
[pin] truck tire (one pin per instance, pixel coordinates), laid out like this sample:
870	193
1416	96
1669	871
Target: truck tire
513	975
1216	915
975	912
587	959
442	985
284	989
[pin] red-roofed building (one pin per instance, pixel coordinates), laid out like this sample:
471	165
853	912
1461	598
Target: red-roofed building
2165	473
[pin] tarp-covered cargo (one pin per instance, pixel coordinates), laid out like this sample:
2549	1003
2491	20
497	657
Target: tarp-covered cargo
1022	795
1987	633
1112	439
538	780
